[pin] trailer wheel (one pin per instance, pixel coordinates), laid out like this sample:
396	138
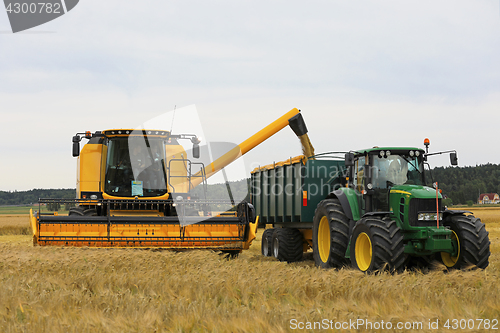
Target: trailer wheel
330	234
473	243
376	245
267	242
287	244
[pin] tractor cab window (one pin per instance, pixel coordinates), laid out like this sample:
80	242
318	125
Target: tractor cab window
135	167
359	173
397	170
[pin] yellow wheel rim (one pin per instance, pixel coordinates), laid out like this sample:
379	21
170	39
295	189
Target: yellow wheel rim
363	251
447	258
324	239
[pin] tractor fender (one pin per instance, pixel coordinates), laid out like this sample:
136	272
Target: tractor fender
342	197
447	212
381	214
347	206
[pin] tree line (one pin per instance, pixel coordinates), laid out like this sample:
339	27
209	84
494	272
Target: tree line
464	184
461	185
30	197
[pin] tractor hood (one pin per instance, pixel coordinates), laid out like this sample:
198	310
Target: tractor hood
415	191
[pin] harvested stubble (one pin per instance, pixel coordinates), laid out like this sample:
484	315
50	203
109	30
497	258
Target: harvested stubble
49	289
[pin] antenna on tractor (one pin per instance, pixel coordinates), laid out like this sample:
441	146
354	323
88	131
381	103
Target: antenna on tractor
173	117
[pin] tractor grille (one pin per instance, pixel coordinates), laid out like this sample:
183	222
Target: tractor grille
423	206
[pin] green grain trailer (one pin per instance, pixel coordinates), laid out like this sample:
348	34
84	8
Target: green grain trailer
370	208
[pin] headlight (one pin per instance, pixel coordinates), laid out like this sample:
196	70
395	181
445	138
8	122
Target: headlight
417	153
412	153
382	153
369	186
429	216
387	153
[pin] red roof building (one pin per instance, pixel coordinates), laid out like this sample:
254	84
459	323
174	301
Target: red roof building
489	198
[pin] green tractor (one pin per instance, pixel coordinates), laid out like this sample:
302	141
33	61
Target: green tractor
386	218
369	208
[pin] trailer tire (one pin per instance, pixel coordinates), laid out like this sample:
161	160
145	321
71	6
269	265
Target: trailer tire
377	245
330	234
473	243
287	244
267	243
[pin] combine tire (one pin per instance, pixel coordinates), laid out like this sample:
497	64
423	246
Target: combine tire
267	243
90	212
330	234
230	254
82	212
76	211
377	245
473	243
287	244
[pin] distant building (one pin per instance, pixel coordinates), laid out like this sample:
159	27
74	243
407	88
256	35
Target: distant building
489	198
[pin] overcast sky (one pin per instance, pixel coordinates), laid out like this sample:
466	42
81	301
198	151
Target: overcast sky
363	73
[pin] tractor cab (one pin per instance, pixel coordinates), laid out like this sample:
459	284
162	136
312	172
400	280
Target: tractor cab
374	172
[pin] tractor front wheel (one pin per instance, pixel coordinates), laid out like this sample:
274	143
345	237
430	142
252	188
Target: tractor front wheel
376	245
472	243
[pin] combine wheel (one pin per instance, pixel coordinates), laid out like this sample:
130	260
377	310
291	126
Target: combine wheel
230	254
330	234
473	244
76	211
267	242
287	244
377	244
90	212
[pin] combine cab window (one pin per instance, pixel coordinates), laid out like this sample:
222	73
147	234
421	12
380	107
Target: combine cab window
135	167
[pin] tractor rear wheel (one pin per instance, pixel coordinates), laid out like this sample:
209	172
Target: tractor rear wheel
287	244
377	245
267	242
330	234
473	243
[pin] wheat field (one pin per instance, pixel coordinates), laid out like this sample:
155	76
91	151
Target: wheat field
54	289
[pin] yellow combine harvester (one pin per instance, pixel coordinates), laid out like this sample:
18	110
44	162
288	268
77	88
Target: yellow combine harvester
135	189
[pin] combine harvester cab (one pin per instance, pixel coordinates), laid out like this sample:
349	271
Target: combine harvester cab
136	188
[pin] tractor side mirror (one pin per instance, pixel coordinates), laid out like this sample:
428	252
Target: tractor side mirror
349	159
196	150
76	146
453	159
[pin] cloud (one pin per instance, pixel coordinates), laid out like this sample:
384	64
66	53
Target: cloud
364	74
